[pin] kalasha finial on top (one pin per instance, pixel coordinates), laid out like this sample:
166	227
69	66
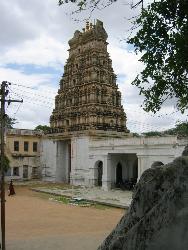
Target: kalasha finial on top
87	25
90	26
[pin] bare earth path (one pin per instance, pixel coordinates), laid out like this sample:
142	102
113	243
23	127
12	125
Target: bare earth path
34	222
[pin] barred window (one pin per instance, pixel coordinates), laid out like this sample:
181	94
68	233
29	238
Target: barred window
15	171
16	145
26	146
35	146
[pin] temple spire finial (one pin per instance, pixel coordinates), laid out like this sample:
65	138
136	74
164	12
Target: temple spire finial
87	25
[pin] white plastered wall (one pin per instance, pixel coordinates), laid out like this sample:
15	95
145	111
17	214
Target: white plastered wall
48	159
87	151
80	163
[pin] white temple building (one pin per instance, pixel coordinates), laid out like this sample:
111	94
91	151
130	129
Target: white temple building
104	161
89	143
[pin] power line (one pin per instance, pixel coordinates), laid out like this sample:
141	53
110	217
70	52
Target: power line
29	97
40	101
126	108
23	86
17	110
43	96
43	103
35	95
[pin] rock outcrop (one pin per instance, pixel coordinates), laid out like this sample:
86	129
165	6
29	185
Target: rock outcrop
158	215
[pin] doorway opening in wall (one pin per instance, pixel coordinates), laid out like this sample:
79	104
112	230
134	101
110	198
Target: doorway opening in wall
100	173
135	170
69	161
25	171
119	178
124	170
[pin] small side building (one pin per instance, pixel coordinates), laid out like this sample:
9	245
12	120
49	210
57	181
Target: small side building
23	150
96	160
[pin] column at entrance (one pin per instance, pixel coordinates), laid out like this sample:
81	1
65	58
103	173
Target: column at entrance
144	162
63	161
106	178
139	167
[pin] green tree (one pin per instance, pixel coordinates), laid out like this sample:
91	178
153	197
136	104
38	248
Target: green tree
152	133
162	39
44	128
6	164
9	122
181	129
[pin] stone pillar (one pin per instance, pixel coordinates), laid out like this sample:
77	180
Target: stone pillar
144	162
139	167
106	178
92	177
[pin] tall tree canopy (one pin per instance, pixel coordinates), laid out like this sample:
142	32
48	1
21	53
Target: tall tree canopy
6	164
180	129
162	39
9	122
43	128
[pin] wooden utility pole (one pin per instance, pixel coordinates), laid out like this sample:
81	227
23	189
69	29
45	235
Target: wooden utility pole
3	86
3	94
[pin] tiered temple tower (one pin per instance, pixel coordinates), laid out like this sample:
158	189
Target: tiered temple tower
88	97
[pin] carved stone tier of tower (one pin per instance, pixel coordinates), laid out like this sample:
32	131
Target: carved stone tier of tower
88	97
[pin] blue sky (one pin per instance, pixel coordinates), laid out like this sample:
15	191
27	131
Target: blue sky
29	69
33	51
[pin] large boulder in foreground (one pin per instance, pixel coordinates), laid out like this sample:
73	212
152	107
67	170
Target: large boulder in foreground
158	215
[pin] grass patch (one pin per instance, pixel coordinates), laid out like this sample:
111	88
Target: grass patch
100	206
82	203
62	199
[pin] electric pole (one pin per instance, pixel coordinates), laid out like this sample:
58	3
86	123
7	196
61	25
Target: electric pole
3	94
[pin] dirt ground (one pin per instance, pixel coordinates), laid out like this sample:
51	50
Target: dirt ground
35	222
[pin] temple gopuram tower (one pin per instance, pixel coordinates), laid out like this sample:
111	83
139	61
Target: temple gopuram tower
88	97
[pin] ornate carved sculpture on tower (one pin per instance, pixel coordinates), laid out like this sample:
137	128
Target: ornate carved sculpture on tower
88	97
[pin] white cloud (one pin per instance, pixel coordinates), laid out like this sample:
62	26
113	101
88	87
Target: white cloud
126	65
125	62
42	51
19	77
37	34
37	92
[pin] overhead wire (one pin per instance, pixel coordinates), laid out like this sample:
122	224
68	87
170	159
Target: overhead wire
139	110
19	106
41	96
36	102
41	102
143	128
23	86
32	93
126	108
22	95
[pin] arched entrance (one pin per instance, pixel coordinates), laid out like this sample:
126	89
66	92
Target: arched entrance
119	178
100	173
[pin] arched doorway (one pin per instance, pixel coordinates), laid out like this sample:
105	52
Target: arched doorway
119	178
100	173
